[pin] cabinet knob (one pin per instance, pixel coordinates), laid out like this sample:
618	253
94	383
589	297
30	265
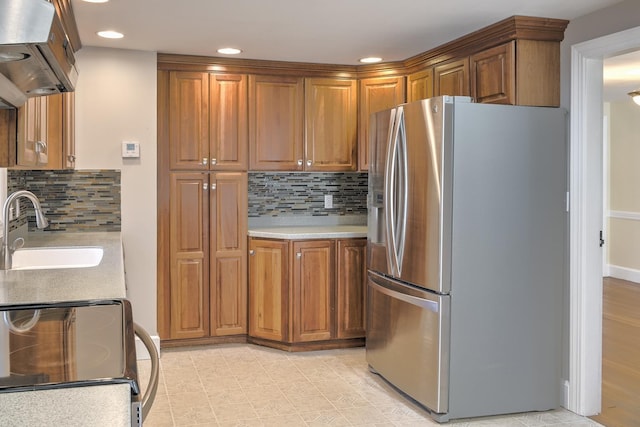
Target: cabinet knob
71	158
299	255
213	187
299	162
252	252
214	161
309	162
205	161
205	186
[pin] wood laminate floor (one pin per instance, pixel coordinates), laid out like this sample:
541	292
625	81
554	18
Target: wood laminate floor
620	354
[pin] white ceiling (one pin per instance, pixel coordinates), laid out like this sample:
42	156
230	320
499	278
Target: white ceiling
322	31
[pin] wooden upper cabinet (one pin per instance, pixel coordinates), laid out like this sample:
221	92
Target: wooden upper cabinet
32	130
493	76
228	122
538	73
269	289
376	94
8	134
189	255
188	120
420	85
452	78
40	131
69	130
313	290
331	117
275	123
207	121
351	288
228	251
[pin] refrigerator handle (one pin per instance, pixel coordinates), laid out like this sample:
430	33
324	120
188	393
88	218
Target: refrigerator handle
403	187
420	302
389	192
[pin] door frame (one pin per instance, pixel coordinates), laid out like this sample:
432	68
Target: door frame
583	390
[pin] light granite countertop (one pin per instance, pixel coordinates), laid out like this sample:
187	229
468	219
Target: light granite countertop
97	406
104	281
309	232
308	227
74	406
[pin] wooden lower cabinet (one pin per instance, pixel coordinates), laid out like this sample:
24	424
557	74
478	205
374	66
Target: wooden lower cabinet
208	255
313	290
269	289
307	294
351	289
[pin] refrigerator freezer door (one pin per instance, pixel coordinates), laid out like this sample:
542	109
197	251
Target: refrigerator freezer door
381	133
408	340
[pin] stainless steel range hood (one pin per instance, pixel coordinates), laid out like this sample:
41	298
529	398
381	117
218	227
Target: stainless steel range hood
35	55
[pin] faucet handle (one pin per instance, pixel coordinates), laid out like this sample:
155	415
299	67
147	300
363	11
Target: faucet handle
17	244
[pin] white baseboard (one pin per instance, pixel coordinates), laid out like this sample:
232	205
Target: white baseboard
623	273
565	394
141	350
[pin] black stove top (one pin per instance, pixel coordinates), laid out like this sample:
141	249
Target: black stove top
67	345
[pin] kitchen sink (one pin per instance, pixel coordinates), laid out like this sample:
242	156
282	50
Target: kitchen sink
41	258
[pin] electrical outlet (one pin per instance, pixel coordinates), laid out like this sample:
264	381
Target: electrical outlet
328	201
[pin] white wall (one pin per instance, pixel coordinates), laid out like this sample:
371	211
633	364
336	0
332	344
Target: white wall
116	101
624	192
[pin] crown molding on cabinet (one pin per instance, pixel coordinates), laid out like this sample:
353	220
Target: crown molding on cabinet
512	28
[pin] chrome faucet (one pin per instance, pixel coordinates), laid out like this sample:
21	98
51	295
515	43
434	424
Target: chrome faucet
41	222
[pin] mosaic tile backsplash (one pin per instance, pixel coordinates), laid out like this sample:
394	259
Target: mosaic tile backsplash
276	194
82	200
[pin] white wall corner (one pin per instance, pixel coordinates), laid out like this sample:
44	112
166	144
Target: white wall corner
141	351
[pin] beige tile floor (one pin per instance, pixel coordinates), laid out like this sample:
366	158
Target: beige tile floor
247	385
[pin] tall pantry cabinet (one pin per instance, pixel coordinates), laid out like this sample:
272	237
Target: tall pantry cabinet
202	235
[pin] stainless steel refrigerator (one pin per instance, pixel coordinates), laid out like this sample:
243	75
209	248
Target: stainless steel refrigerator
466	255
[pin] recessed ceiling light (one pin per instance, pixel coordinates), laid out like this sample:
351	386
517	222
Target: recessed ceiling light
110	34
95	1
229	51
370	59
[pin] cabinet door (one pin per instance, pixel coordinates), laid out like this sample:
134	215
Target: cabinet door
40	133
188	236
331	116
275	123
269	289
376	94
420	85
8	140
69	130
32	132
313	290
493	75
188	120
228	123
452	78
352	274
228	247
53	110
